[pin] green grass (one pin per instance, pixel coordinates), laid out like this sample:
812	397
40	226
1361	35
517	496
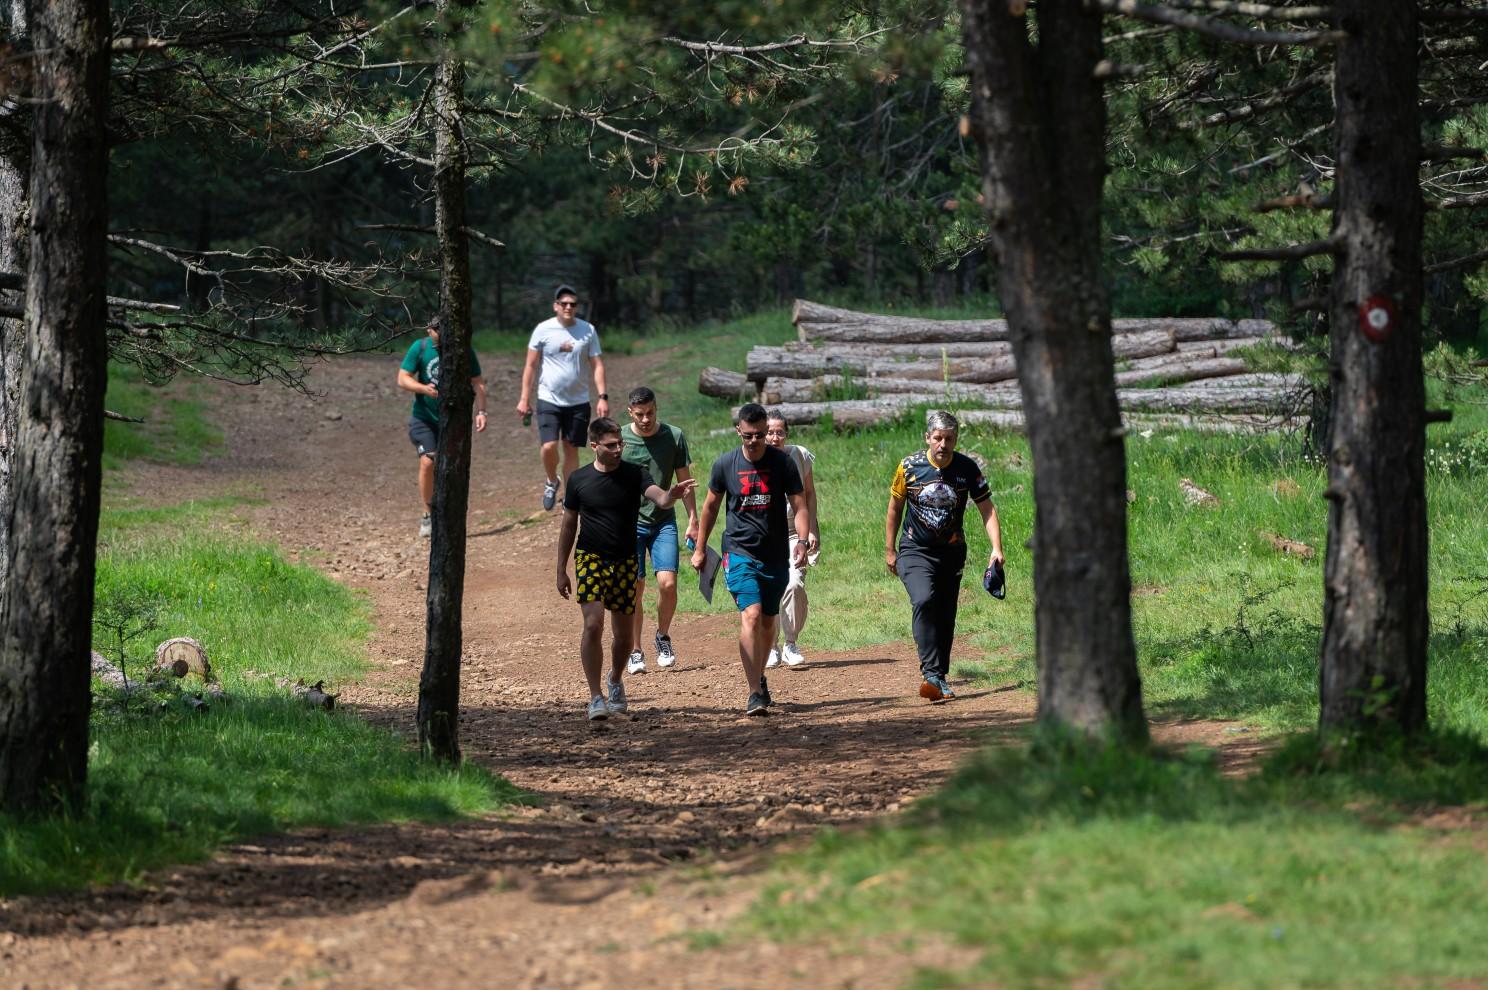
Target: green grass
168	784
1123	870
176	427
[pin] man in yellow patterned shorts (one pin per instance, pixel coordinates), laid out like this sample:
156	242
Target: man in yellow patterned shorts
601	506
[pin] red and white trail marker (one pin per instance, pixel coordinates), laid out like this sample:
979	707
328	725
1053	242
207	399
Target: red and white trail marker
1377	318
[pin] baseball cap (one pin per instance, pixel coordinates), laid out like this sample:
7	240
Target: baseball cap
565	290
994	581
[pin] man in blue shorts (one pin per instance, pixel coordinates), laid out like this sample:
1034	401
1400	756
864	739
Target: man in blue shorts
662	450
419	374
757	481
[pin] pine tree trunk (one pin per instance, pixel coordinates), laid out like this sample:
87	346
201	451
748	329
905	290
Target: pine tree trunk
15	171
1038	113
1373	662
46	618
439	686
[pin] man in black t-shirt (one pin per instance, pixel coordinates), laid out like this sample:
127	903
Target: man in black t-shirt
757	480
601	506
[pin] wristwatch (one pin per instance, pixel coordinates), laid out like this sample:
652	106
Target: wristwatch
605	396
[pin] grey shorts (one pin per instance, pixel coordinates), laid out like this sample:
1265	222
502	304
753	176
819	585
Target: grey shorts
425	436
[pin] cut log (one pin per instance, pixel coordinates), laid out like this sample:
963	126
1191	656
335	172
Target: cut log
853	414
816	322
778	362
1179	368
777	390
725	384
183	649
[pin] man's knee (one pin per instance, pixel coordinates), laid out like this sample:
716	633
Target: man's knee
666	583
549	446
752	615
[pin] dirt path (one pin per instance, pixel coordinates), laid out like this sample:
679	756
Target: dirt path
585	891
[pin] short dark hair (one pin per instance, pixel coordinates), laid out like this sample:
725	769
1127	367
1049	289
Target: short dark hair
565	290
639	396
435	323
602	427
775	414
751	412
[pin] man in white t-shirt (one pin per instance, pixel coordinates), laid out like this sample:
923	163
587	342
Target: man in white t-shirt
556	357
793	602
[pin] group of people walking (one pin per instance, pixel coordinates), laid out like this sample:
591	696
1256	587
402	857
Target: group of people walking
619	510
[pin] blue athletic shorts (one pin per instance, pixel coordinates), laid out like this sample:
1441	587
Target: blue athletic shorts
661	541
754	583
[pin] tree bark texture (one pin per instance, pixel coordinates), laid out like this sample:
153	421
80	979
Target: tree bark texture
1038	114
46	617
1373	661
439	685
15	171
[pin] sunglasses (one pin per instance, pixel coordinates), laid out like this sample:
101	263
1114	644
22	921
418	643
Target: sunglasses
567	305
610	445
751	434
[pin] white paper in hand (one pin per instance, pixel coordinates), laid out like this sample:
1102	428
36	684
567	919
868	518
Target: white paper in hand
708	573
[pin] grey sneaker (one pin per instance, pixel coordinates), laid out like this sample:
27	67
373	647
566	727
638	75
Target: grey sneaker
550	494
426	526
664	655
617	695
598	710
790	656
757	705
637	663
764	692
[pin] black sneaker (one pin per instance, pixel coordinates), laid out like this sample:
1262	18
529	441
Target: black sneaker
757	705
764	692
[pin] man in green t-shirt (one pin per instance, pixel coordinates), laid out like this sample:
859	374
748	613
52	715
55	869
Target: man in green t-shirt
662	451
419	374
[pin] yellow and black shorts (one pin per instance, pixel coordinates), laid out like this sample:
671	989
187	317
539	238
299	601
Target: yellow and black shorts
612	582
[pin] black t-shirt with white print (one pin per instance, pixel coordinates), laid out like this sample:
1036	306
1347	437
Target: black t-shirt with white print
755	495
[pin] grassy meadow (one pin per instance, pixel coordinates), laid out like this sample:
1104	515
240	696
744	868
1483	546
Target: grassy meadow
1054	867
168	784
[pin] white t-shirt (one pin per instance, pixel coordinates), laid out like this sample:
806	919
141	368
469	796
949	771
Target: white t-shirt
563	378
803	459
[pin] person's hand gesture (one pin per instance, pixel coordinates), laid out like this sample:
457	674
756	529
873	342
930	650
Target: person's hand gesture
891	558
431	390
563	585
681	488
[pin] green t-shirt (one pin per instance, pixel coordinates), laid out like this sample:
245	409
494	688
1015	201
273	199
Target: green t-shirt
661	454
422	362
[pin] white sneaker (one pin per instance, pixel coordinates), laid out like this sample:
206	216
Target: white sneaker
637	663
598	710
617	695
790	656
773	660
664	655
426	526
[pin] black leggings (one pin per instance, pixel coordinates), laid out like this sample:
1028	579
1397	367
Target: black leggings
932	576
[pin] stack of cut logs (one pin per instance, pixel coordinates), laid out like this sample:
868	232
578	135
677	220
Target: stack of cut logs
1170	372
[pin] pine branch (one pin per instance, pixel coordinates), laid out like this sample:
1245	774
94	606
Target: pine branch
1288	252
1221	30
1466	261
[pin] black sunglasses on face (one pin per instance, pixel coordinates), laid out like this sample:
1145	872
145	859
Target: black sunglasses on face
751	435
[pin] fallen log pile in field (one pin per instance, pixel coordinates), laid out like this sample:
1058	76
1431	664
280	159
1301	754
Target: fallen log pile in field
861	369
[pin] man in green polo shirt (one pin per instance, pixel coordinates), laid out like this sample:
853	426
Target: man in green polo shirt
662	450
419	374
